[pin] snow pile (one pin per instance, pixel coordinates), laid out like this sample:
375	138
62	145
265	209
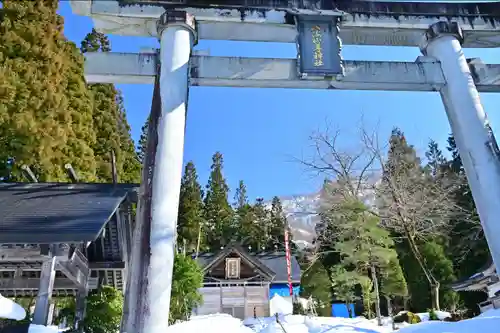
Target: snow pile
280	305
43	329
344	325
485	323
303	324
11	310
215	323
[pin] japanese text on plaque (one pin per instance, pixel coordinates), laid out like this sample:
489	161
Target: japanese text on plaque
316	39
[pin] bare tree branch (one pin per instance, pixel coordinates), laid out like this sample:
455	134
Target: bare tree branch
408	200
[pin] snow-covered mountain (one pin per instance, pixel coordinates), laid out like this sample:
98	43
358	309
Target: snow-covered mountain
302	214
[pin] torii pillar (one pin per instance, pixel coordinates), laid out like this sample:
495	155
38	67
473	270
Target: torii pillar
176	30
470	127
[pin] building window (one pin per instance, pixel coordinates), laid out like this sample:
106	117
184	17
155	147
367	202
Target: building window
232	268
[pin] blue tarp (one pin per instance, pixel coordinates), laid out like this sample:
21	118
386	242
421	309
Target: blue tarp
340	310
283	290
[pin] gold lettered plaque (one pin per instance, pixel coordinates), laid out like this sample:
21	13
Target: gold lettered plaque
319	46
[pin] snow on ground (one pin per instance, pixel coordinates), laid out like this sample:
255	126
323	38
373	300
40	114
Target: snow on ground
216	323
43	329
304	324
11	310
488	322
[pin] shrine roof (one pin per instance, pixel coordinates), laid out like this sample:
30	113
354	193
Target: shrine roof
42	213
275	262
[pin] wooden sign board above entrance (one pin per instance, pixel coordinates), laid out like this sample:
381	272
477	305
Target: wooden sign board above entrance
319	47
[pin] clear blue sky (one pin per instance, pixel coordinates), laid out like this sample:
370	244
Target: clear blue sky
258	130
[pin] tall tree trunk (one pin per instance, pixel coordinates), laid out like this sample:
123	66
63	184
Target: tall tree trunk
427	272
406	303
389	311
435	295
198	241
377	294
413	246
389	306
348	306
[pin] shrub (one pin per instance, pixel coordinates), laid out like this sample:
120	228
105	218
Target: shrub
298	309
433	315
408	317
413	318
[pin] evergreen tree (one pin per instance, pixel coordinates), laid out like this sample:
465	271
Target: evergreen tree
241	197
6	169
327	230
467	241
45	107
415	207
315	282
365	246
465	244
393	283
244	218
217	211
110	123
187	279
435	159
456	162
442	268
277	226
343	284
142	145
190	218
262	230
130	164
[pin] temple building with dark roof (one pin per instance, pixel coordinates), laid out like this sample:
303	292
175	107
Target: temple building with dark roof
61	239
242	284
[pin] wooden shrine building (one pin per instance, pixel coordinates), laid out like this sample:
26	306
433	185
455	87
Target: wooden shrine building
241	284
63	238
487	281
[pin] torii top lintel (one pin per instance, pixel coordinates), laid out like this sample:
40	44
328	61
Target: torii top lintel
363	22
488	10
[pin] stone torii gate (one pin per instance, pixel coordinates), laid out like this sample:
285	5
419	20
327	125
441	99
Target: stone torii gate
317	27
